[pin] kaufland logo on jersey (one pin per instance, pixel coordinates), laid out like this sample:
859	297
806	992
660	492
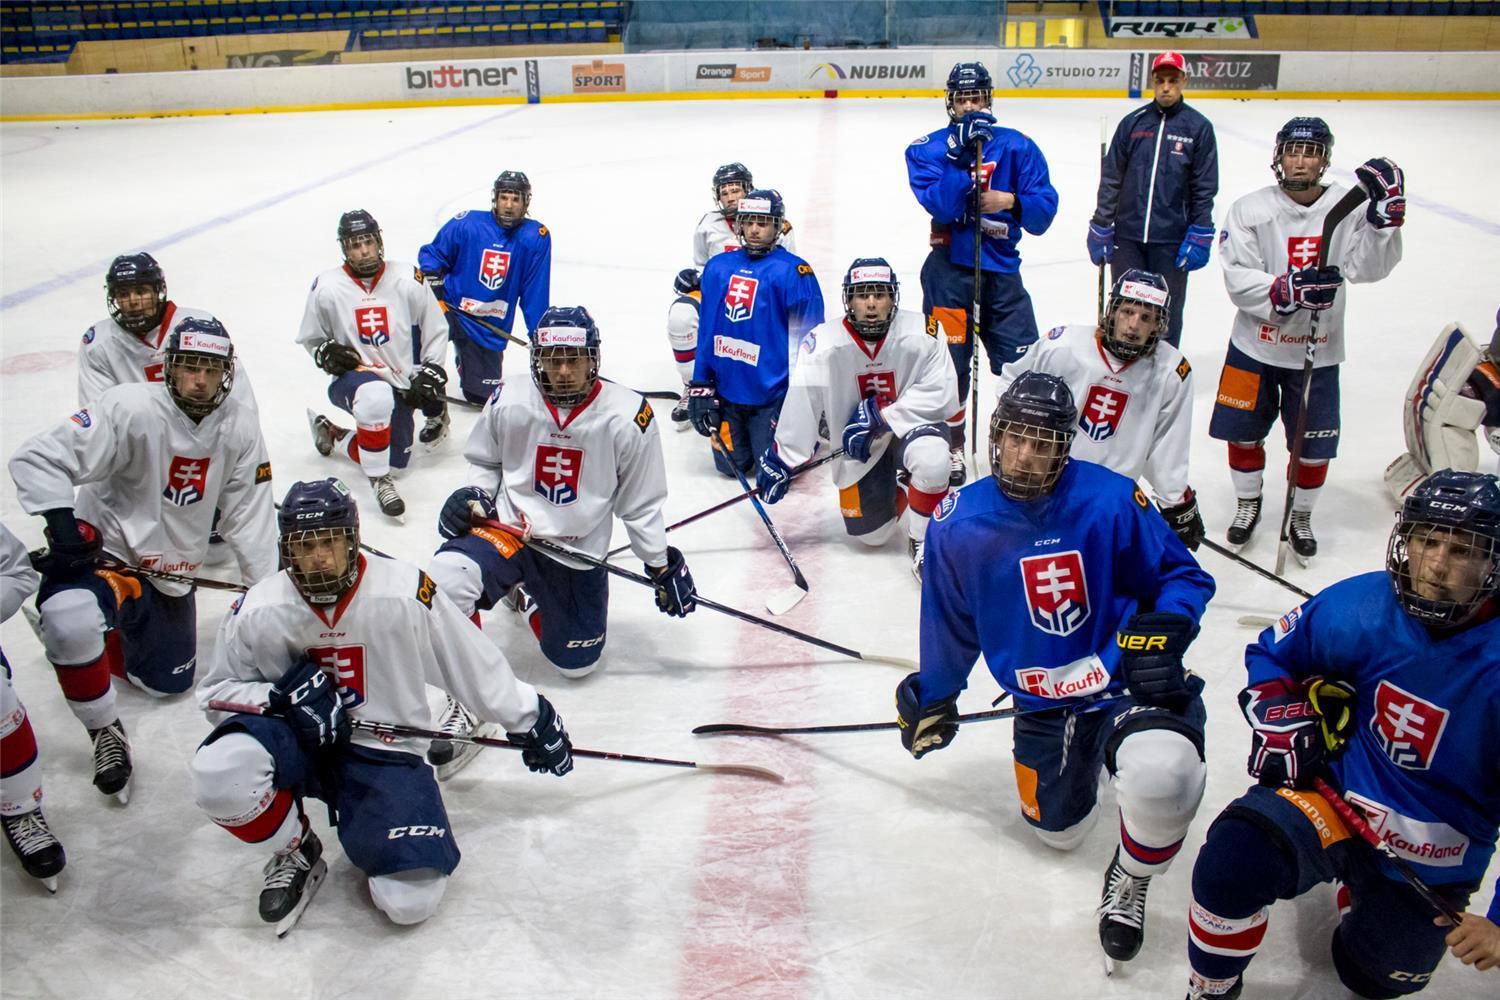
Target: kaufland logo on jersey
1101	411
1435	844
1302	251
187	479
1407	727
373	324
1071	680
881	385
494	265
345	665
739	299
1056	592
555	477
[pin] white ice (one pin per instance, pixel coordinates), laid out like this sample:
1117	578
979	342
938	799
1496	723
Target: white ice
867	874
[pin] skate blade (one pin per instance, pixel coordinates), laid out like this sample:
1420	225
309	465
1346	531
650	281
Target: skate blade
1109	966
315	876
312	424
465	753
783	601
123	795
34	619
50	883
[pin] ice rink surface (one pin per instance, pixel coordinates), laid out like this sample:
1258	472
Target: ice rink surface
867	874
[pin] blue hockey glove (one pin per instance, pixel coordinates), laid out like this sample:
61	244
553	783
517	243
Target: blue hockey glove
1193	253
773	477
1101	242
1151	648
460	508
336	359
864	426
546	746
704	407
1387	186
307	698
676	594
73	546
924	728
1312	288
1287	747
973	128
687	281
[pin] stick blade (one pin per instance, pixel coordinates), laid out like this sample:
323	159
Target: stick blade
786	599
748	770
1255	621
737	728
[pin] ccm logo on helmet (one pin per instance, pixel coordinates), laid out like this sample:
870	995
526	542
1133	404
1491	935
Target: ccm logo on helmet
1139	643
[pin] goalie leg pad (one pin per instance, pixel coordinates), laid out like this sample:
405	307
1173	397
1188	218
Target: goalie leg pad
1438	422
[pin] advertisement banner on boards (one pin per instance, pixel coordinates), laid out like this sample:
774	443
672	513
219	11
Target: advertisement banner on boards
868	70
1063	69
598	77
729	74
1181	27
464	78
1229	70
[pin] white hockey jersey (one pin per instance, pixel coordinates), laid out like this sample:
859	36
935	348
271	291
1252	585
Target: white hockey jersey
1267	234
110	355
566	471
393	633
714	235
18	580
150	479
1134	418
909	371
391	319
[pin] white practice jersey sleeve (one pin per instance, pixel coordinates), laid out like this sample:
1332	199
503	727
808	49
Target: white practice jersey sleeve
1267	234
1134	418
18	580
392	320
714	235
149	479
909	371
110	355
382	643
568	471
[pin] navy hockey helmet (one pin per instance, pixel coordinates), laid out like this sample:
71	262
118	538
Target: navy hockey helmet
198	348
762	204
135	270
518	183
870	274
731	173
1444	554
1305	135
1031	431
357	225
314	512
967	79
564	337
1149	290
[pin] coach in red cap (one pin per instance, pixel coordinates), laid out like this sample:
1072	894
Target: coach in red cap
1156	189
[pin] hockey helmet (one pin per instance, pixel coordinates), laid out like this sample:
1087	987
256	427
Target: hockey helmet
731	173
1306	135
968	79
1444	553
132	271
1031	431
1147	289
518	183
870	274
356	225
198	346
319	511
764	205
565	334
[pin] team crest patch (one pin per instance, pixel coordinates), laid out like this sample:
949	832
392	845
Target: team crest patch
82	419
949	504
919	140
880	384
555	478
373	324
1302	251
1055	332
346	665
1056	593
809	342
1407	727
493	267
88	335
739	298
1102	409
187	480
1286	624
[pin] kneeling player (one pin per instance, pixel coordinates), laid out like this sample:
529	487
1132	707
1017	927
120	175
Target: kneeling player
381	335
877	374
395	630
1400	672
1082	602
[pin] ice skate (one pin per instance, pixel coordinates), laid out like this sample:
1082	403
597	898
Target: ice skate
1304	545
435	431
450	757
958	469
325	432
1246	517
680	412
291	880
112	767
1122	914
914	549
391	504
36	846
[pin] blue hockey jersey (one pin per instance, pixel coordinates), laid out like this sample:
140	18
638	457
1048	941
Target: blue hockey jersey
1424	760
487	268
1040	587
755	312
1012	162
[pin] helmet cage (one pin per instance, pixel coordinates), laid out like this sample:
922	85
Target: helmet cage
136	271
1023	484
321	586
863	278
1141	293
560	342
1404	574
197	345
517	183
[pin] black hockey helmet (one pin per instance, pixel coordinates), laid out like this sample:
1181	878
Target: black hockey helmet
517	182
762	203
1148	289
355	225
311	512
968	78
1444	553
1310	135
731	173
1037	415
864	275
565	332
130	271
198	345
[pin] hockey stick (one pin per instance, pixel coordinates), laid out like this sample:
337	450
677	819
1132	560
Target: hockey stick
786	599
805	466
563	551
1254	568
974	313
116	566
1103	152
1361	826
1348	203
414	732
743	729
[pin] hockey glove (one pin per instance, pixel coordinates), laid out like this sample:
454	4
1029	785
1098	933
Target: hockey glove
1193	253
687	281
1311	288
427	385
924	728
434	282
462	506
1287	747
336	359
1334	701
1101	243
545	746
1185	521
773	477
1387	186
864	426
73	546
974	127
676	594
1151	648
704	407
307	698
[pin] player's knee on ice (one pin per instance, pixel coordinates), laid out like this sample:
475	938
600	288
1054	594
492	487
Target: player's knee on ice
1069	839
233	784
926	458
879	536
408	897
374	403
73	627
1159	778
458	577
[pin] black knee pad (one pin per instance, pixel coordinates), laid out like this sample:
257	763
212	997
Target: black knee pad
1356	979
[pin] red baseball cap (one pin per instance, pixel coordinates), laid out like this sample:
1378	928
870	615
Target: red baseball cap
1169	60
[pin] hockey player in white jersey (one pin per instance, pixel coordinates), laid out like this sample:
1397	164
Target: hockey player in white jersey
879	381
1134	393
1269	250
373	326
333	638
26	829
150	464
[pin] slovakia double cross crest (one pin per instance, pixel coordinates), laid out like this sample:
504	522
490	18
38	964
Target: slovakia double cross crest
1099	417
373	324
493	267
1056	594
187	480
556	476
739	298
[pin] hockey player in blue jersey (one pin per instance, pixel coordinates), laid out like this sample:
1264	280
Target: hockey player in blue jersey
1016	194
482	264
1082	601
758	303
1388	685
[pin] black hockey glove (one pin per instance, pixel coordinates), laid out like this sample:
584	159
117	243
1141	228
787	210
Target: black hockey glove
1185	521
1387	187
1151	648
73	546
460	509
307	698
427	385
1287	743
546	746
676	594
924	728
336	359
705	409
687	281
434	282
